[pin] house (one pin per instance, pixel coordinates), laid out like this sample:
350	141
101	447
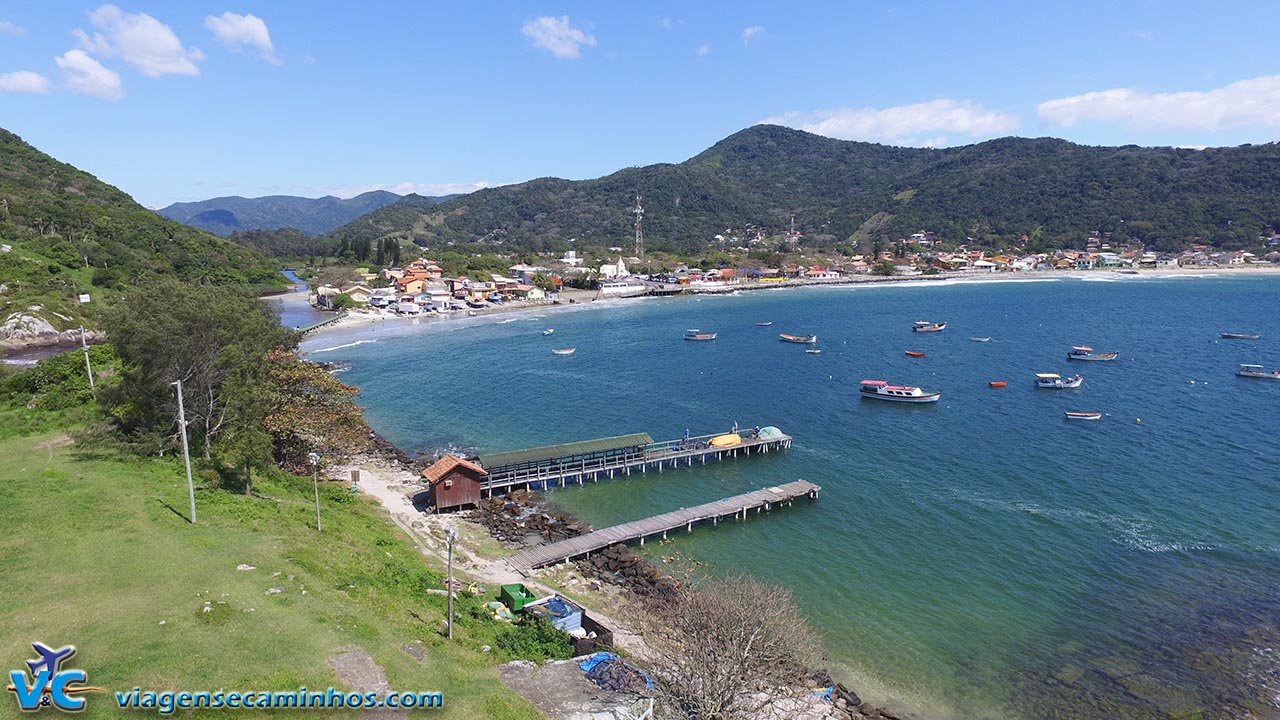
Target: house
359	293
1167	261
410	284
453	483
820	272
984	266
571	258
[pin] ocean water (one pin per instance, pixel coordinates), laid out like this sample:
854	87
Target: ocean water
979	558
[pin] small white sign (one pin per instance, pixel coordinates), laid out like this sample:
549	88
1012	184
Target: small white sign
84	298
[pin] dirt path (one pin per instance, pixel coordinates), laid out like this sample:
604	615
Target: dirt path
392	487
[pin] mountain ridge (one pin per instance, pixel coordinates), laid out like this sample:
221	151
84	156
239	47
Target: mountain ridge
312	216
844	191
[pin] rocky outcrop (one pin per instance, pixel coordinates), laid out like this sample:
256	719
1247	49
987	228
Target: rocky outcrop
26	330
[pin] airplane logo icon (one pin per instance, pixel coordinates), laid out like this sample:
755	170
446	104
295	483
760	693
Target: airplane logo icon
50	659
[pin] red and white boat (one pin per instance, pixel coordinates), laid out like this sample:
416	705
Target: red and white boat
881	390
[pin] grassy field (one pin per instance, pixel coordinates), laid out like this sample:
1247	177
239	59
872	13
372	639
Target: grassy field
97	552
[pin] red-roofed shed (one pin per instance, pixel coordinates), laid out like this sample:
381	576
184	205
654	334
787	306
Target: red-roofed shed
453	483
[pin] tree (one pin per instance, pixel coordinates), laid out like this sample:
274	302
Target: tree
213	339
719	643
311	412
885	268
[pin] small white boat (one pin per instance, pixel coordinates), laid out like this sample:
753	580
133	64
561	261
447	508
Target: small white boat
1081	352
1054	381
814	352
881	390
563	351
548	331
1257	371
1239	336
978	339
1083	415
802	339
765	323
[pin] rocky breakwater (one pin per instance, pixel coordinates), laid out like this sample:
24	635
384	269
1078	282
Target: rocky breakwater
524	519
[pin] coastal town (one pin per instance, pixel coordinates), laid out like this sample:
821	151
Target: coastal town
421	287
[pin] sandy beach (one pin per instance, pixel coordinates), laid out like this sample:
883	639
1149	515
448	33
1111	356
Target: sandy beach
579	299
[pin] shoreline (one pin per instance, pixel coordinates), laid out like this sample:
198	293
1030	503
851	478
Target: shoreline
584	299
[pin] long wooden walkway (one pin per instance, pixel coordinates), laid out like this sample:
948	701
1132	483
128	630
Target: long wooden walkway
736	506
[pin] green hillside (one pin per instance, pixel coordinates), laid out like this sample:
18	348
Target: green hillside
992	192
70	233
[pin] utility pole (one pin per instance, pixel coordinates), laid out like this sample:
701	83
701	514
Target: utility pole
315	464
186	452
450	537
84	345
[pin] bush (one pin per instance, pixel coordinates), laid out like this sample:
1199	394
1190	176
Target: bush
534	639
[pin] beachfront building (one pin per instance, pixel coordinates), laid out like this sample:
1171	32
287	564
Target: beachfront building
453	483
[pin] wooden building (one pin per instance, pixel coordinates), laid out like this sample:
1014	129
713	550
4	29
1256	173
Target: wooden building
453	483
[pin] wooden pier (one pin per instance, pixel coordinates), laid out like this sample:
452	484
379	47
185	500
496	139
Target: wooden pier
578	463
736	507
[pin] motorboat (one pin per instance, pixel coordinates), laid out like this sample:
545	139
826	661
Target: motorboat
882	390
926	326
1257	371
997	383
810	339
1238	336
814	352
1083	415
1081	352
1054	381
548	331
698	335
765	323
913	353
563	351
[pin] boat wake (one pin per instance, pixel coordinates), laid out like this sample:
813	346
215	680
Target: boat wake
340	347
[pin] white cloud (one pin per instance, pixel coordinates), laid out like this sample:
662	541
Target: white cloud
702	51
558	36
24	81
904	124
1254	102
85	75
403	188
8	28
751	34
235	31
146	44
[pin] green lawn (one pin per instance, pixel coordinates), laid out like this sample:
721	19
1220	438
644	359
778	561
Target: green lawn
97	552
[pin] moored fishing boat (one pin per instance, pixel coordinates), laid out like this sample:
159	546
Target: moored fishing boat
1081	352
926	326
913	353
563	351
810	339
1239	336
698	335
1054	381
548	331
882	390
997	383
1083	415
1257	371
814	352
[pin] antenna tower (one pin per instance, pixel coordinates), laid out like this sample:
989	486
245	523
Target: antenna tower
639	211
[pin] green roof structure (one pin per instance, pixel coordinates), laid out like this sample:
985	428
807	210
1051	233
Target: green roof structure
491	461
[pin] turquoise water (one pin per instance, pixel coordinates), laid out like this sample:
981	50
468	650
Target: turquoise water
977	558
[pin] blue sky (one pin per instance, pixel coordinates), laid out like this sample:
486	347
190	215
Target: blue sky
188	100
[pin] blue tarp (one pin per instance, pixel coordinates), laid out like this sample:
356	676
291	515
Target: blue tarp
590	663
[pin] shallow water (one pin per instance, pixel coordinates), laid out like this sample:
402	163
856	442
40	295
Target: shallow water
978	558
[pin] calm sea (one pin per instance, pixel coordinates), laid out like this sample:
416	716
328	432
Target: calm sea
978	558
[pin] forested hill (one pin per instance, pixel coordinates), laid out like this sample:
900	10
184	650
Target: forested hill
68	232
995	191
313	216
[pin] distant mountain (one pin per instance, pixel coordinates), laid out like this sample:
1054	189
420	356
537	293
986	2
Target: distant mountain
313	216
66	233
854	192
